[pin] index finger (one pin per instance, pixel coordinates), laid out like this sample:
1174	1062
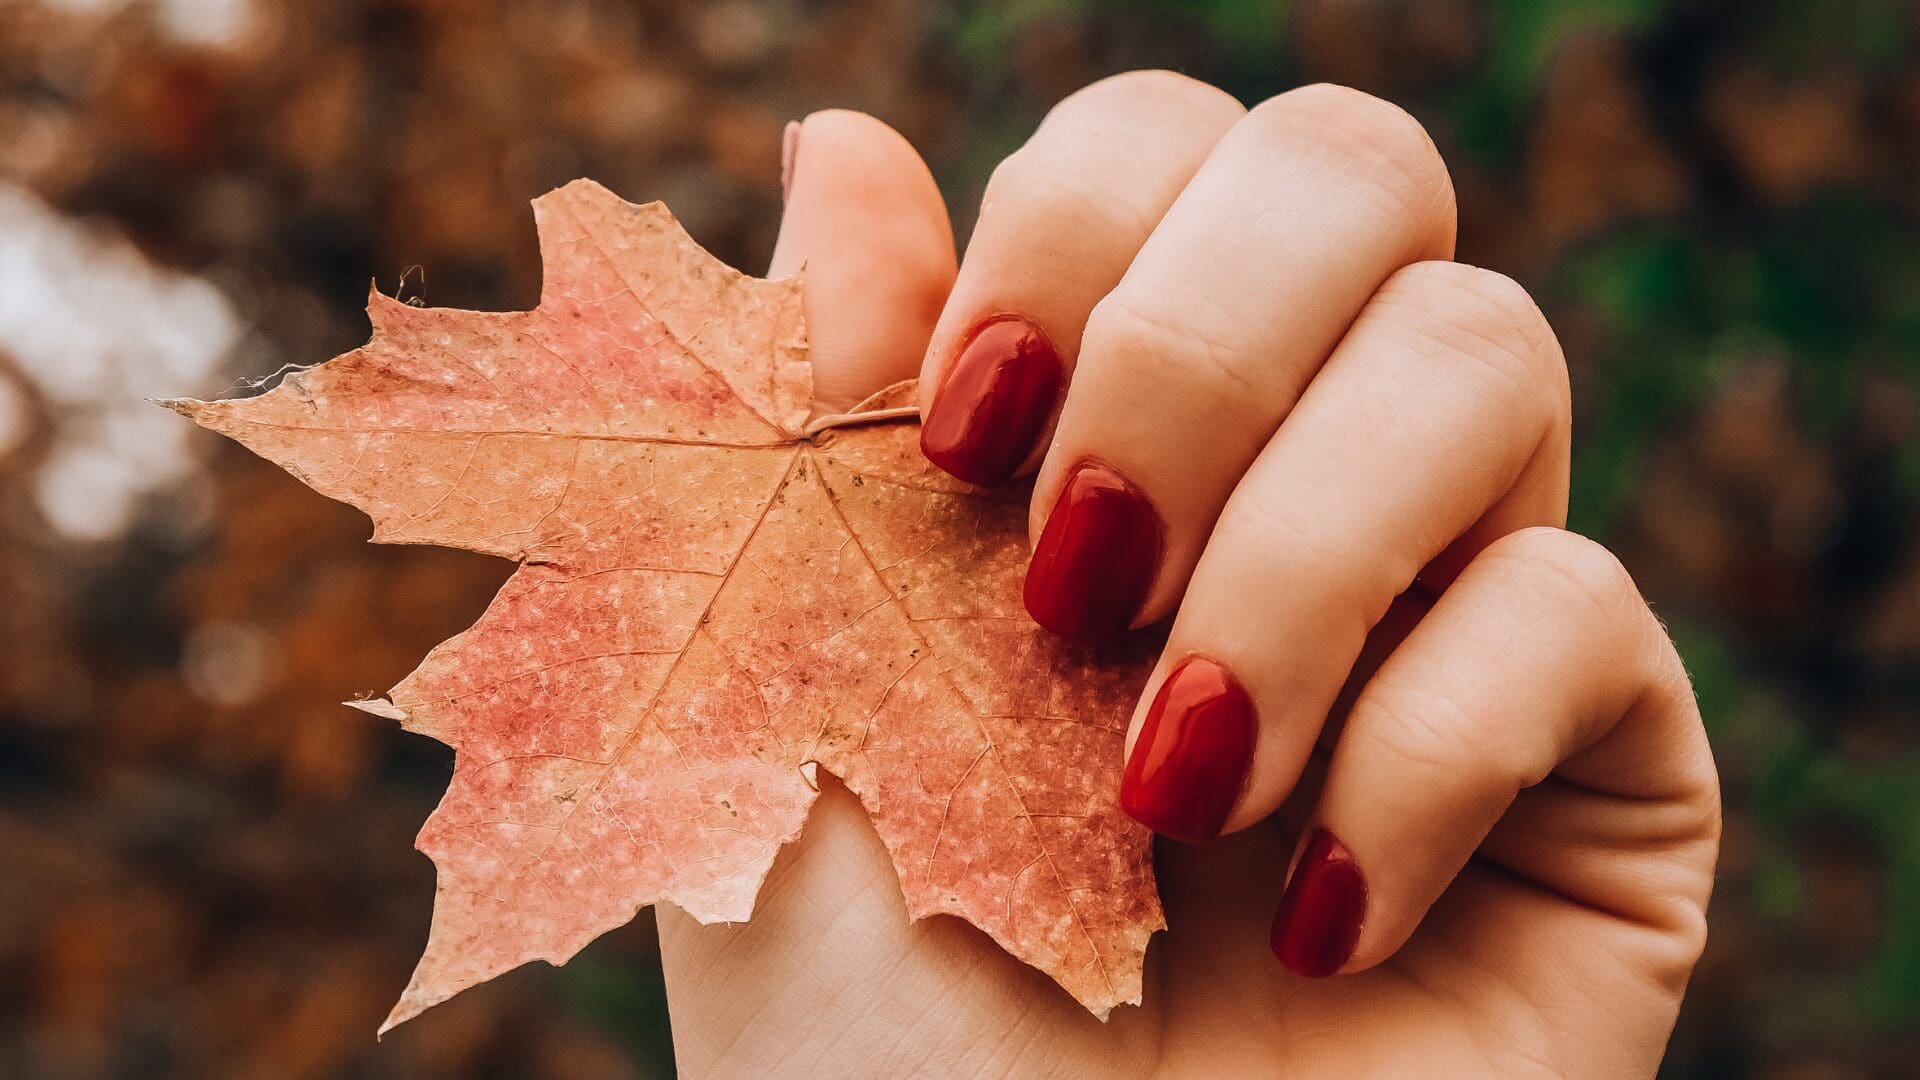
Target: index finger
1062	218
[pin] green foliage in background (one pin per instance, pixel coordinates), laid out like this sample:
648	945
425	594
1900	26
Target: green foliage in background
1490	110
626	1000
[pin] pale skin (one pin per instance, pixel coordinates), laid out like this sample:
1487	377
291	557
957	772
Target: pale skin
1358	452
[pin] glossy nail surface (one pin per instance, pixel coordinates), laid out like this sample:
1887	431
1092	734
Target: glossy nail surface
1319	918
994	402
1096	556
1190	761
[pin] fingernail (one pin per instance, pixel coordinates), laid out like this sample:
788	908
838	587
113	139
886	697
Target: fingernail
1096	556
789	149
1190	761
1319	916
993	404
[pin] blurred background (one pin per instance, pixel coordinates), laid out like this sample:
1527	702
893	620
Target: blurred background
206	865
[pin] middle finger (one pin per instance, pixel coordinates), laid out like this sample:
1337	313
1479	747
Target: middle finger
1189	365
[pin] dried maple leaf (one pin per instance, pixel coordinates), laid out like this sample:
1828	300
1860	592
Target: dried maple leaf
715	599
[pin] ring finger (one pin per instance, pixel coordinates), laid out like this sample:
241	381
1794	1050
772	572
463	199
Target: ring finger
1443	414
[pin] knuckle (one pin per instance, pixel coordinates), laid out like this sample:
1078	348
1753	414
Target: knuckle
1054	172
1487	307
1423	729
1486	324
1150	88
1667	681
1568	567
1191	342
1058	191
1299	539
1373	139
1689	943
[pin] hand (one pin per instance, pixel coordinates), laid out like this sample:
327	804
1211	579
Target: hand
1257	398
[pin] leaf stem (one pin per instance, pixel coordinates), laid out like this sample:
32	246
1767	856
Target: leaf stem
853	419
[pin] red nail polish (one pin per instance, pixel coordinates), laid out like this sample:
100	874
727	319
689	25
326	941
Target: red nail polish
1096	556
994	402
1319	916
1190	762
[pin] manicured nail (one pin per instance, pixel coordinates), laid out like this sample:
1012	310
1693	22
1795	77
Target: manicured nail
1190	761
1096	556
992	406
789	149
1319	916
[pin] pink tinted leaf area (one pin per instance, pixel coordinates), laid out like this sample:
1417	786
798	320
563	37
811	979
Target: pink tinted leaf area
714	601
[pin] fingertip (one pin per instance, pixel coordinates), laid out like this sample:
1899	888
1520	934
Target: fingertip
1320	915
867	220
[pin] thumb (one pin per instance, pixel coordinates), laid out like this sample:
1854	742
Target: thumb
865	218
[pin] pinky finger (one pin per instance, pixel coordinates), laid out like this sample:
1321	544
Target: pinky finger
1541	665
